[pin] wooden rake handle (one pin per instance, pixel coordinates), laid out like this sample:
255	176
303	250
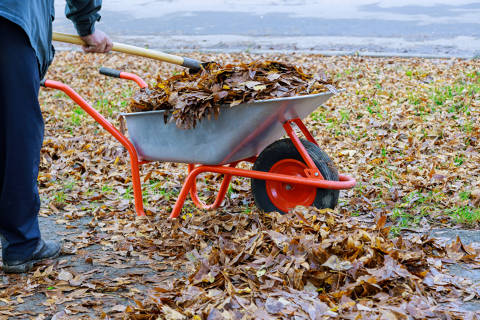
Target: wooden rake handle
125	48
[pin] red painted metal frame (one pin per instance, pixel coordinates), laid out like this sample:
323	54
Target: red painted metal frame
133	77
221	192
313	176
134	163
312	170
345	182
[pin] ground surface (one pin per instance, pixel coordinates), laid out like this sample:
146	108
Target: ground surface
388	27
406	129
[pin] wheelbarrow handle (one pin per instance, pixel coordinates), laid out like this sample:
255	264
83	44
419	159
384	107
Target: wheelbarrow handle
192	64
117	134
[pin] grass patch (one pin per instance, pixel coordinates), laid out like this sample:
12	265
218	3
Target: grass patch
414	207
465	215
59	197
77	116
405	219
107	189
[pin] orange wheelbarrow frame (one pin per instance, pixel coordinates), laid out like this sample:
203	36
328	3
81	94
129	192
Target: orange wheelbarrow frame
312	176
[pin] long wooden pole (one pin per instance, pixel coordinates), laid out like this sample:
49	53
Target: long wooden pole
125	48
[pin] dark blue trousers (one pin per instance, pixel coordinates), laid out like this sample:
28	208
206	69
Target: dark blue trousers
21	137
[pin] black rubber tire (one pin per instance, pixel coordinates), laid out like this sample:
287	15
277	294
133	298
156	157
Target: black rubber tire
285	149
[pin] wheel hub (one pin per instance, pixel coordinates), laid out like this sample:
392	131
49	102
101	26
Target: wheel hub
285	195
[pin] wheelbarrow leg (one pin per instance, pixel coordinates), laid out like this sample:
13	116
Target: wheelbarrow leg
221	193
137	185
190	186
187	185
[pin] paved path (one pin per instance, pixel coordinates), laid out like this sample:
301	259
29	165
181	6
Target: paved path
110	278
461	269
378	27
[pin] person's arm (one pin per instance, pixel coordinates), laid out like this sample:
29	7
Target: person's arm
84	14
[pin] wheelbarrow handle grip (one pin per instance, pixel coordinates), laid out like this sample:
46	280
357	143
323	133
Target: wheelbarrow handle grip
110	72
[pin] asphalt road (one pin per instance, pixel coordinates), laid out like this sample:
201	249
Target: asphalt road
371	27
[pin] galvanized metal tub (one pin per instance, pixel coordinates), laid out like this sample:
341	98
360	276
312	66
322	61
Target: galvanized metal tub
238	133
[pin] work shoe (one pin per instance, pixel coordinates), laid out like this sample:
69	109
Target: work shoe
45	250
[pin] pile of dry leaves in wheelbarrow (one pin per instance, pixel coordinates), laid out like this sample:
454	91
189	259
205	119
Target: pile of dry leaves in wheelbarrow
190	97
309	264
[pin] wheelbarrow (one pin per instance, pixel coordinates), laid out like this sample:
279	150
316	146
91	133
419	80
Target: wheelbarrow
285	173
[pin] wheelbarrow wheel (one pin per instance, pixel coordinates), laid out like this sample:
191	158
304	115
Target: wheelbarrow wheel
282	157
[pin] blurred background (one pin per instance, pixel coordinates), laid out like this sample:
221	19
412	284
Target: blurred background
432	28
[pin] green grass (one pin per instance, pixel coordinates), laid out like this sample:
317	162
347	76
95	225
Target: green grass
394	231
89	193
107	106
59	197
107	189
464	195
458	160
318	116
155	185
128	194
344	115
465	215
410	211
77	117
229	190
468	126
455	97
168	194
68	186
373	108
404	219
385	170
413	99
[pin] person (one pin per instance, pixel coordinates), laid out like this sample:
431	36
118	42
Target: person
25	54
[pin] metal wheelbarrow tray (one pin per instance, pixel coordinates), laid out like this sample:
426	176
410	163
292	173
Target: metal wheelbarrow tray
239	132
286	172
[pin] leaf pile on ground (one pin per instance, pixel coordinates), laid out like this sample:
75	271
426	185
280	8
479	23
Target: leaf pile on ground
309	264
190	97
